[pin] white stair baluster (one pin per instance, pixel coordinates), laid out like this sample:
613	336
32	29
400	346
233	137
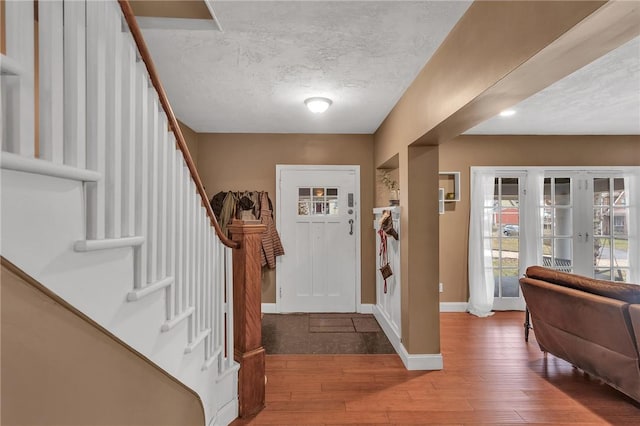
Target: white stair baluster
171	225
203	320
205	265
201	235
193	281
113	175
186	208
51	80
218	314
207	294
128	137
96	101
188	241
75	135
217	302
163	184
213	298
142	174
152	228
228	330
179	242
19	91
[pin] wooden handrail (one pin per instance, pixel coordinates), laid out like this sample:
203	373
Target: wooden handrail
173	122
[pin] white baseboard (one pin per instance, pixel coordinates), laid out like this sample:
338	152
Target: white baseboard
388	329
365	308
269	308
421	361
226	414
410	361
453	306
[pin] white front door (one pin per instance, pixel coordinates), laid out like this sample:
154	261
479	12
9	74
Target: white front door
317	218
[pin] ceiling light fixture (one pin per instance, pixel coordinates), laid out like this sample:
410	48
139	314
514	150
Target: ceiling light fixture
507	113
318	105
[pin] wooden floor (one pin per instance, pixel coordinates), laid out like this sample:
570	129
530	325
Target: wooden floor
490	376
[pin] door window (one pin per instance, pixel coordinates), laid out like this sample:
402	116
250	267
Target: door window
557	226
317	201
505	236
610	230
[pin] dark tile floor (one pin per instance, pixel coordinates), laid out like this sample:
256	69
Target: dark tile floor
323	334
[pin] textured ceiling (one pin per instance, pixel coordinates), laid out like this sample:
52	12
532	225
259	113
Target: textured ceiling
601	98
254	76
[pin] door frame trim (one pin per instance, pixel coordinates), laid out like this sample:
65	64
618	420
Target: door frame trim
358	215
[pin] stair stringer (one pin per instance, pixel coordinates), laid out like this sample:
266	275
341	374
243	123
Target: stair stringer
41	219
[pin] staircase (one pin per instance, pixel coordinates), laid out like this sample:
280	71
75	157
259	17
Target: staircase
101	201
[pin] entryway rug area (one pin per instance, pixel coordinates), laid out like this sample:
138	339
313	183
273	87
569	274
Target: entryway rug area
323	334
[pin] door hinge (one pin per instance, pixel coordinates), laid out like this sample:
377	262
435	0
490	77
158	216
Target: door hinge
280	292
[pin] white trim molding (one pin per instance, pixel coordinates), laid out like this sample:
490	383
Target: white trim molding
421	361
410	361
453	306
365	308
109	243
269	308
18	163
272	308
226	414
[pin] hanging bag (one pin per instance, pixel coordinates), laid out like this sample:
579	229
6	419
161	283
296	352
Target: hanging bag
386	224
385	268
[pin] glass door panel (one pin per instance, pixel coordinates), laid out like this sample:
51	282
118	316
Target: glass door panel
557	230
610	230
505	242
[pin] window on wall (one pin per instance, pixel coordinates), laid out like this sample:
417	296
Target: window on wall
317	201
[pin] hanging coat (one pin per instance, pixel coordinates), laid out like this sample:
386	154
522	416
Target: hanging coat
228	212
271	244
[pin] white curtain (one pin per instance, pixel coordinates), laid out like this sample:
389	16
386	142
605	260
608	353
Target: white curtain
481	284
532	207
632	186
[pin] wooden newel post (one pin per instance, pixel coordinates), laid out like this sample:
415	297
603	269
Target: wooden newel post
247	322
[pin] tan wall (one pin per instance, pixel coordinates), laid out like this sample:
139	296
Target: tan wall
248	162
498	54
59	369
185	9
191	138
466	151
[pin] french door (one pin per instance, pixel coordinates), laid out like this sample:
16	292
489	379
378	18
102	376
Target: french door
583	221
586	224
506	217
